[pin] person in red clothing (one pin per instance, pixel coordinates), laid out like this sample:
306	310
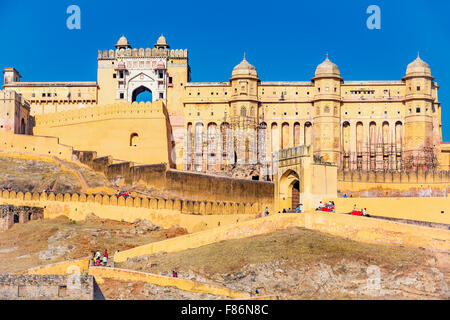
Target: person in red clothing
174	274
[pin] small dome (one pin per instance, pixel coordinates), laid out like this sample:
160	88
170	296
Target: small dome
418	67
327	68
161	42
244	68
122	43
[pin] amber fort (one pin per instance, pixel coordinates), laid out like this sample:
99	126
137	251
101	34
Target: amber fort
216	161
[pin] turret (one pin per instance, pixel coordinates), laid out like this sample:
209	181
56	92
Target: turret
244	110
418	143
122	43
327	111
161	43
11	75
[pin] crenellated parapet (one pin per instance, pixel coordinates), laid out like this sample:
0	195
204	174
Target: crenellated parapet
120	110
142	53
172	205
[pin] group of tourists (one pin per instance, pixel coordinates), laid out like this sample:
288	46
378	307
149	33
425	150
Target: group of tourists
9	189
99	260
298	209
329	205
122	193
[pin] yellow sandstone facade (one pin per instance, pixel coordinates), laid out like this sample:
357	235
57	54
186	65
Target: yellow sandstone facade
360	125
364	126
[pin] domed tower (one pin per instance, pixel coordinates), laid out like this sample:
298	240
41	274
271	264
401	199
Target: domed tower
123	43
327	111
161	43
243	115
418	143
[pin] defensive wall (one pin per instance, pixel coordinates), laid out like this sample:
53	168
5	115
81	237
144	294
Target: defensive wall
411	208
137	132
363	229
183	284
45	287
393	184
192	215
60	268
181	184
37	145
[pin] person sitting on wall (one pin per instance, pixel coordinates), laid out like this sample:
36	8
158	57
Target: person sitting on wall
300	205
319	208
345	195
284	210
297	209
174	274
266	212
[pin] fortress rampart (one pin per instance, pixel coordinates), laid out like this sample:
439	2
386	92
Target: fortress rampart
192	215
393	184
185	185
138	132
113	111
22	143
175	205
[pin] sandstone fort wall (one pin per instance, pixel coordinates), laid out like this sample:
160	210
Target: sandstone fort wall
195	186
419	209
394	184
43	145
138	132
192	215
183	284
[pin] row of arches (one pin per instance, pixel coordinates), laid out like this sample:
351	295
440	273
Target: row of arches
215	146
371	145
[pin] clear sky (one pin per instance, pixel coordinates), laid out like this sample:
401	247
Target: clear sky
284	40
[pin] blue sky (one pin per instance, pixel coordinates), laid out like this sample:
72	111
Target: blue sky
284	40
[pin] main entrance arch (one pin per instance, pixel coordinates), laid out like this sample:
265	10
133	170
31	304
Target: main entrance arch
289	190
145	92
300	179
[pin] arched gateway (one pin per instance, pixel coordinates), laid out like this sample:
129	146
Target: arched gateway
299	179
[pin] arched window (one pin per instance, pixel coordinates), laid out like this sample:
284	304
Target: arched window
243	112
308	133
134	139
